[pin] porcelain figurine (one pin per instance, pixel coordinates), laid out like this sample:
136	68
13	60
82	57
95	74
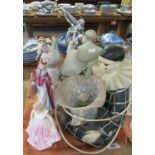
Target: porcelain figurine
113	69
52	58
71	65
88	53
43	84
115	72
42	131
49	54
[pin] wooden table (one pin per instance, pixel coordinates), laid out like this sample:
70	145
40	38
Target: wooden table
101	21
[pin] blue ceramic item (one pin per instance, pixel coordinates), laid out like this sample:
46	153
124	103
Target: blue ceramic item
62	43
30	51
111	38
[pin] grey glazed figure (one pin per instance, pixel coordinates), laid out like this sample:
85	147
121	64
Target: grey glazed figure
88	53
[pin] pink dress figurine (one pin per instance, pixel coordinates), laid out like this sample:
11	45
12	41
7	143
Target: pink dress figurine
42	131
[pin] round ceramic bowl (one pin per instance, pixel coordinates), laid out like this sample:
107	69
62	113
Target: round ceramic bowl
49	7
108	8
28	55
89	7
26	9
45	3
30	48
79	5
70	9
111	38
64	4
90	12
124	12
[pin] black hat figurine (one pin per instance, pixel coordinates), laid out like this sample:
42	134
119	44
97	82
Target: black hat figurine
113	68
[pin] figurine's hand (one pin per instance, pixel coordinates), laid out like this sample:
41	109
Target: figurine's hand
91	136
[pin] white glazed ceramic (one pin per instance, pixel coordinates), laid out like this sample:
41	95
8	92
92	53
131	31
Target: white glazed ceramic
108	8
71	65
89	7
91	35
88	52
115	75
79	5
90	12
70	9
64	4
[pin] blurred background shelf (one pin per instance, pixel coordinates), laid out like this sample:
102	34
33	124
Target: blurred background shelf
80	1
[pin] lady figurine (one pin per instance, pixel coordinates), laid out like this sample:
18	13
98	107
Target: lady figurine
42	84
42	132
44	47
52	59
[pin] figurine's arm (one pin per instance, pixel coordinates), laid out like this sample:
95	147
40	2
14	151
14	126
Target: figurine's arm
91	136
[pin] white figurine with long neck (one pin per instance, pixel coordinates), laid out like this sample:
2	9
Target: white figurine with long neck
71	65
